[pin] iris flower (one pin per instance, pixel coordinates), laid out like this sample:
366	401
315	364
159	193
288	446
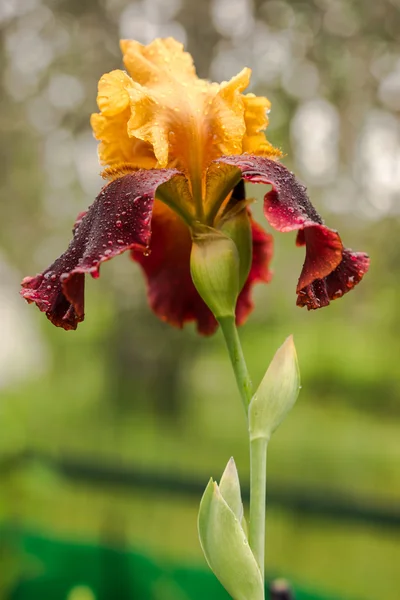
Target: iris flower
176	150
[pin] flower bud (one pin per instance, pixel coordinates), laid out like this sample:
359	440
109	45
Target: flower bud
226	548
229	486
237	226
214	266
276	394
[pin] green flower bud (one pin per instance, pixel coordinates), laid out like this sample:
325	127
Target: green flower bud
226	548
236	225
276	394
229	486
214	266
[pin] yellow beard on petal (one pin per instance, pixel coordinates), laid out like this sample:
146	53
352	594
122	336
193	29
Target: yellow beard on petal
163	115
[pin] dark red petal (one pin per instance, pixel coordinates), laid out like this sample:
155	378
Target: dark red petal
259	271
171	291
324	251
287	208
320	292
118	220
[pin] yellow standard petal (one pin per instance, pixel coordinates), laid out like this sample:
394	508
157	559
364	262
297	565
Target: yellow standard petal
256	119
113	96
117	149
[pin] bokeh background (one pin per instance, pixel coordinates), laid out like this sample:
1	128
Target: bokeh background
109	434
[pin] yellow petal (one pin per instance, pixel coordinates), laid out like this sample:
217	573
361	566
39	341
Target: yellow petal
256	113
157	63
144	126
116	147
258	144
256	120
113	97
227	115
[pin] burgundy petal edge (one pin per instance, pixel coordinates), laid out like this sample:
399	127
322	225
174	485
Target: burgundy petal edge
347	274
287	208
118	220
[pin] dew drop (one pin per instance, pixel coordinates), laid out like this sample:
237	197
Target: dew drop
118	223
108	252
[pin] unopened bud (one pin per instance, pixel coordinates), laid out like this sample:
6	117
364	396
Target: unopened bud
237	226
277	392
214	266
229	486
226	548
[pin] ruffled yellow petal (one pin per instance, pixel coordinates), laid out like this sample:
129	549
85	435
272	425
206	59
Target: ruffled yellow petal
113	97
116	147
256	110
226	116
157	63
143	123
256	120
258	144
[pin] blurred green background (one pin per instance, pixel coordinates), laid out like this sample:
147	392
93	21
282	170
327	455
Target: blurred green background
108	434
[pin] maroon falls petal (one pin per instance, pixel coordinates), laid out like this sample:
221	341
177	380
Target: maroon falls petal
329	269
118	220
347	274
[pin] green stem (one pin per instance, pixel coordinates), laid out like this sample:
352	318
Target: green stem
258	485
232	340
258	446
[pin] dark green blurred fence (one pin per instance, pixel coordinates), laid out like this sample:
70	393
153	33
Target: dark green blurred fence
315	502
